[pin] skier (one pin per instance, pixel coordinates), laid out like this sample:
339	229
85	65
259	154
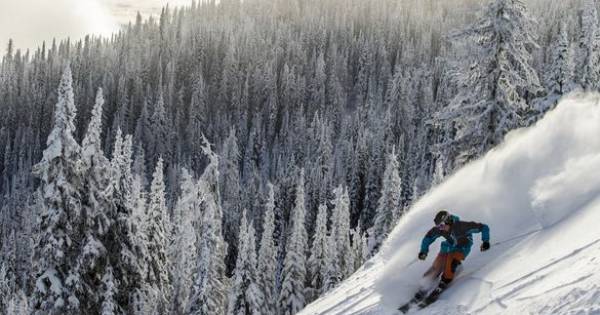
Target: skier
454	249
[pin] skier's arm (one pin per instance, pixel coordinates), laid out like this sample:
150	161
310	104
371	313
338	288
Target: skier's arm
429	238
485	232
476	227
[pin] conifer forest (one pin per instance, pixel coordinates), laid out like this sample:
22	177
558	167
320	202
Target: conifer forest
245	157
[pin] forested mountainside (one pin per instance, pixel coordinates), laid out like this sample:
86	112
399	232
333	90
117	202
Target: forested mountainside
135	168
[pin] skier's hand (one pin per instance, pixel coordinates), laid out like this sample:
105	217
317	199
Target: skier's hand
485	246
422	256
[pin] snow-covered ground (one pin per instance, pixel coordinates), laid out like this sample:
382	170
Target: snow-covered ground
540	194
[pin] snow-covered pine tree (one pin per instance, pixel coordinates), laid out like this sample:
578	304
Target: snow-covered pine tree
126	236
197	118
109	304
229	169
559	75
138	297
209	291
58	245
317	263
360	250
157	230
292	296
9	283
245	297
182	251
388	206
6	284
340	221
590	47
267	255
161	129
496	87
97	210
17	304
333	273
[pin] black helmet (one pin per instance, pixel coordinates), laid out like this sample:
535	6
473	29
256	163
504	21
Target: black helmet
442	217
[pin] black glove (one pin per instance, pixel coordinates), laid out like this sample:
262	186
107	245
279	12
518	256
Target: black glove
485	246
422	256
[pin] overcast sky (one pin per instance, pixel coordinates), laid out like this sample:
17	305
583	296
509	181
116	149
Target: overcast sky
29	22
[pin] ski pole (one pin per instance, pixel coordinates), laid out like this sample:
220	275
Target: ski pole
410	263
515	237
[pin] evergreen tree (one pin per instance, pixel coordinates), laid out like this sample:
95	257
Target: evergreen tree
317	264
590	46
182	251
126	236
230	192
162	130
267	255
245	296
340	230
333	273
98	209
157	229
498	85
291	297
388	207
17	304
139	299
360	250
109	305
58	246
6	285
559	75
208	293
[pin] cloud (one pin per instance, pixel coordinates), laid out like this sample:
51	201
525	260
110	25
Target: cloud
30	22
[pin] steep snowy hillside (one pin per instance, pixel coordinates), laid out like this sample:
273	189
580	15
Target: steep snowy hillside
540	194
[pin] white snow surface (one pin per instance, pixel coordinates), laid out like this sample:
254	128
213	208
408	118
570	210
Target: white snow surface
540	194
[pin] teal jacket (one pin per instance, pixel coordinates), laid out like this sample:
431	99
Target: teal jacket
458	239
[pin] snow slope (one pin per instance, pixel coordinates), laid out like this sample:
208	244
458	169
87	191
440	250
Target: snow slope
540	194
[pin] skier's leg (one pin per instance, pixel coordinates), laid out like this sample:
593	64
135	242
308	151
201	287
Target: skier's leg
453	260
439	264
427	281
432	274
437	267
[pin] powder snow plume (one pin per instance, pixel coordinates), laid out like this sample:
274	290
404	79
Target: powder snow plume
540	194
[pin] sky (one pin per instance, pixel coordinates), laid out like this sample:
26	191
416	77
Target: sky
29	22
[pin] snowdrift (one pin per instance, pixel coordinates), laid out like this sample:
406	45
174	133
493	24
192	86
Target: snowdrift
540	194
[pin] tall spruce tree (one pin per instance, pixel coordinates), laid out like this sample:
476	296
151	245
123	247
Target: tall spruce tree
126	238
497	86
340	221
388	207
267	255
157	229
209	291
97	210
182	251
559	75
292	295
317	263
245	297
59	244
589	45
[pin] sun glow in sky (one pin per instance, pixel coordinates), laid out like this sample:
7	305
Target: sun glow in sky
30	22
